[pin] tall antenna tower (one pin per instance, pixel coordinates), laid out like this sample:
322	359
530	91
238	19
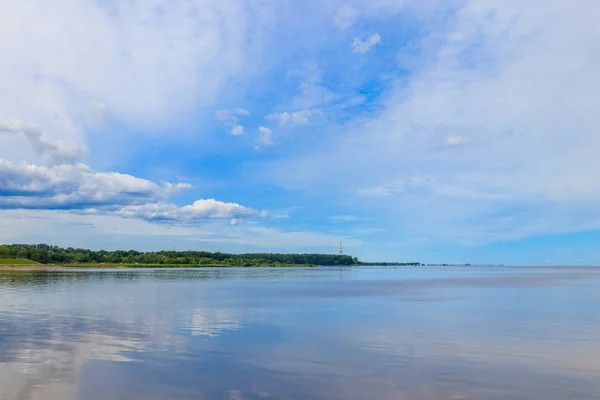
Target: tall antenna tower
341	251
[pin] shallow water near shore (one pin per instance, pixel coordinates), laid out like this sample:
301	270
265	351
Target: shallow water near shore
485	333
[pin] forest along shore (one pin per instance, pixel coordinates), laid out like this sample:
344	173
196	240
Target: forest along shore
26	267
19	256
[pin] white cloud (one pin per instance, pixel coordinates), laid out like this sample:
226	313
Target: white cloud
146	62
53	152
77	187
237	130
265	136
282	117
294	118
74	186
312	92
362	47
513	87
200	210
241	111
67	183
231	115
454	141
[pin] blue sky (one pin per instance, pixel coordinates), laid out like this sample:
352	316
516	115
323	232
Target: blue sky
454	131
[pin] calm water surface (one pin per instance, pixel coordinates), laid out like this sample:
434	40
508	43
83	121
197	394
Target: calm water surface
360	333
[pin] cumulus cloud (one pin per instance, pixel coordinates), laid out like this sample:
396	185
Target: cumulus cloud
363	46
79	188
293	118
198	211
74	186
265	136
237	130
65	184
282	117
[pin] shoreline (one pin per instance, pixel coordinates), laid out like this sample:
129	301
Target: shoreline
30	267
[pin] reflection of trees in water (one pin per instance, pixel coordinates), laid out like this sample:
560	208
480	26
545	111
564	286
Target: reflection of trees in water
47	277
54	276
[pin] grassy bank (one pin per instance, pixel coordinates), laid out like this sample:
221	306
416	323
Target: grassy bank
17	261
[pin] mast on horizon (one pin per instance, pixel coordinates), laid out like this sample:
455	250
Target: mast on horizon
341	251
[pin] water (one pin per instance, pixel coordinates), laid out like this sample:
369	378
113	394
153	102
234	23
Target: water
270	333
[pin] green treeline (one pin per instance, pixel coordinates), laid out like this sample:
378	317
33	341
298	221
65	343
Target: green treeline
46	254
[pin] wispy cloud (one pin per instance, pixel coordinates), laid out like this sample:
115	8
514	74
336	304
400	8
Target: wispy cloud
230	119
454	141
265	136
363	46
183	66
345	17
381	191
468	87
293	118
53	152
229	115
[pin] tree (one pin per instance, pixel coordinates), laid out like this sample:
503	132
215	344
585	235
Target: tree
40	255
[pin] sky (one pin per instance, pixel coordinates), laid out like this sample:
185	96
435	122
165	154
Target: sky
457	131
